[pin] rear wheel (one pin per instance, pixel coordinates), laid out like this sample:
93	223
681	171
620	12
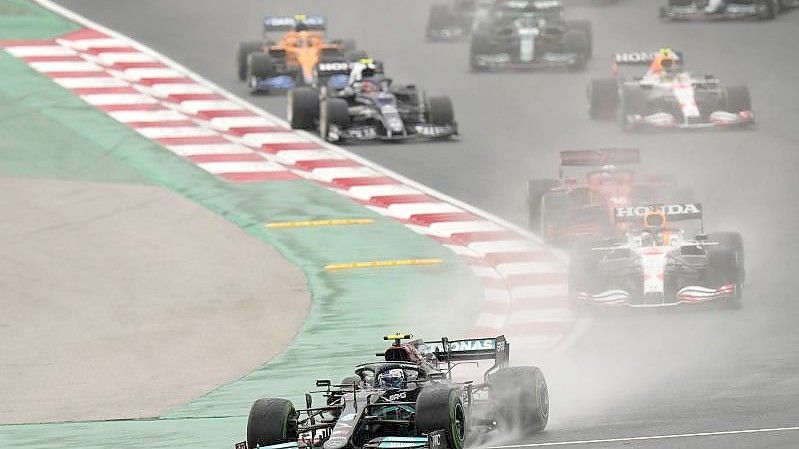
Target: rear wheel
440	408
603	99
576	41
554	208
768	9
302	110
439	19
260	65
480	44
271	421
245	48
586	28
520	399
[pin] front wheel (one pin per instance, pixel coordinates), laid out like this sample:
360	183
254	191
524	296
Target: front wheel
271	421
333	117
439	110
440	408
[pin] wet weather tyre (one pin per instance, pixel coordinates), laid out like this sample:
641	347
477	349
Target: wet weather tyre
535	192
302	108
439	110
768	9
632	101
733	241
586	28
576	41
351	380
736	99
271	421
520	399
555	207
480	44
333	111
245	48
260	65
440	407
603	99
439	19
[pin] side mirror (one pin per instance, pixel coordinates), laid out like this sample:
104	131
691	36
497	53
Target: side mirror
323	382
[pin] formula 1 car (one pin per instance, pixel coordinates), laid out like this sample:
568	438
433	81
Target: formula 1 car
708	10
570	208
267	65
659	102
375	110
454	19
657	264
409	400
529	34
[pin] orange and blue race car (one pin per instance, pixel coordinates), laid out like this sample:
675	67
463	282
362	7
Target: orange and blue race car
301	56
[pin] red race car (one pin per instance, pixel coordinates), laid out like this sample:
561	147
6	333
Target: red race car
581	204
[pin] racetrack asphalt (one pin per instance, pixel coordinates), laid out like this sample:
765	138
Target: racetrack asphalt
627	374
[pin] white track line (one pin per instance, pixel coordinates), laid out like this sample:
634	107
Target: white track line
653	437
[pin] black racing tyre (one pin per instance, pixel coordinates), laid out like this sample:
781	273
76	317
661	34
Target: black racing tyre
260	65
632	101
603	98
479	44
333	111
520	400
302	108
536	189
736	99
769	10
681	2
576	41
439	18
245	48
555	206
439	407
356	55
271	421
735	242
585	27
439	110
722	266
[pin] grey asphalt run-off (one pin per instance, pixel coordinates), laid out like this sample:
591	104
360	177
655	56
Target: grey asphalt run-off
629	374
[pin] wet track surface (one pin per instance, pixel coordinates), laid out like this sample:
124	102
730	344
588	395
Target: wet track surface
628	374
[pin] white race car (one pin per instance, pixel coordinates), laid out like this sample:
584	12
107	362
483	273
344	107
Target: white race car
657	264
678	100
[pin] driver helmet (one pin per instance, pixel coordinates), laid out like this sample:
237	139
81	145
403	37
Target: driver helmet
393	379
666	61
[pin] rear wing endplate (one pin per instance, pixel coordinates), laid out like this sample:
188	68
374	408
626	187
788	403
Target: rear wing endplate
287	23
598	158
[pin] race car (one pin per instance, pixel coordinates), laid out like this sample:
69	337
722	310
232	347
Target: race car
580	204
667	100
371	107
410	400
708	10
267	65
658	264
529	34
454	19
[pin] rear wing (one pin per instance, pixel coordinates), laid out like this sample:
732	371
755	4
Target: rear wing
671	212
598	158
453	351
329	68
287	23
